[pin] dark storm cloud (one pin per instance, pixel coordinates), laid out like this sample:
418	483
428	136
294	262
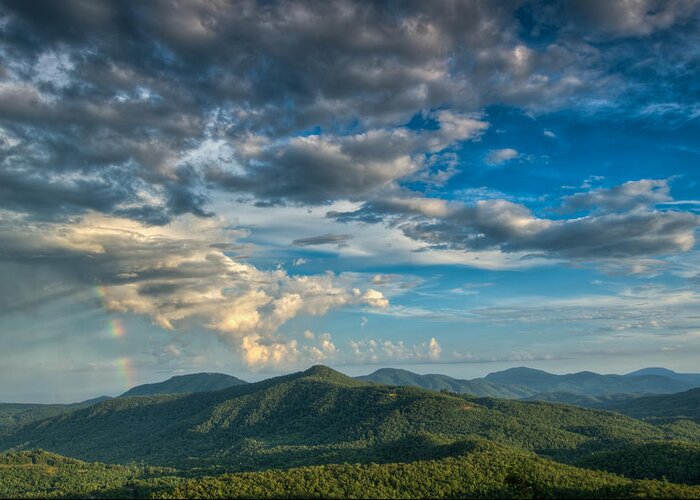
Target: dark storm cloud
19	189
322	168
634	234
113	106
620	226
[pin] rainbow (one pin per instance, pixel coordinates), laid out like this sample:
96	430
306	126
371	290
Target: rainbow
117	331
127	371
101	293
116	328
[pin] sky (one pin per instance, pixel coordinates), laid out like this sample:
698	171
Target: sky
254	187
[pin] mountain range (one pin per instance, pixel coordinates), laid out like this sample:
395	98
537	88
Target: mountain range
589	383
528	383
692	378
436	382
317	416
286	432
585	389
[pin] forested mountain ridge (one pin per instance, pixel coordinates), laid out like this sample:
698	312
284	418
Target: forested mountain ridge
693	378
184	384
665	407
437	382
583	388
529	382
322	416
589	383
321	433
13	415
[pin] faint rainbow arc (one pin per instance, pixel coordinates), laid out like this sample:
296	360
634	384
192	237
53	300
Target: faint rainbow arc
116	327
127	371
118	331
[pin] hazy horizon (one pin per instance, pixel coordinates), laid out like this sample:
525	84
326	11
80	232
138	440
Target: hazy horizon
454	370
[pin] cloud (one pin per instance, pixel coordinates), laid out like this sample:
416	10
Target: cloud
324	351
273	354
602	20
318	169
372	351
434	349
177	274
620	227
500	156
671	112
259	354
511	228
644	310
373	298
374	210
106	108
172	350
628	196
333	239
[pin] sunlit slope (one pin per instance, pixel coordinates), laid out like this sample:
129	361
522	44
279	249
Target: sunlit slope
477	469
485	470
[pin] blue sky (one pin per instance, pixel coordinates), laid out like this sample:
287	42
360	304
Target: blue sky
453	188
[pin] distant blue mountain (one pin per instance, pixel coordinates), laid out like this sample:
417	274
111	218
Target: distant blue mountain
435	382
583	388
692	378
591	384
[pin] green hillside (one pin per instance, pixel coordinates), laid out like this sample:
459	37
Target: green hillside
478	469
485	471
584	400
436	382
39	474
678	462
185	384
663	407
13	415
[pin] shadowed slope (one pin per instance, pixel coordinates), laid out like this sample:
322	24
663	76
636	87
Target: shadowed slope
184	384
